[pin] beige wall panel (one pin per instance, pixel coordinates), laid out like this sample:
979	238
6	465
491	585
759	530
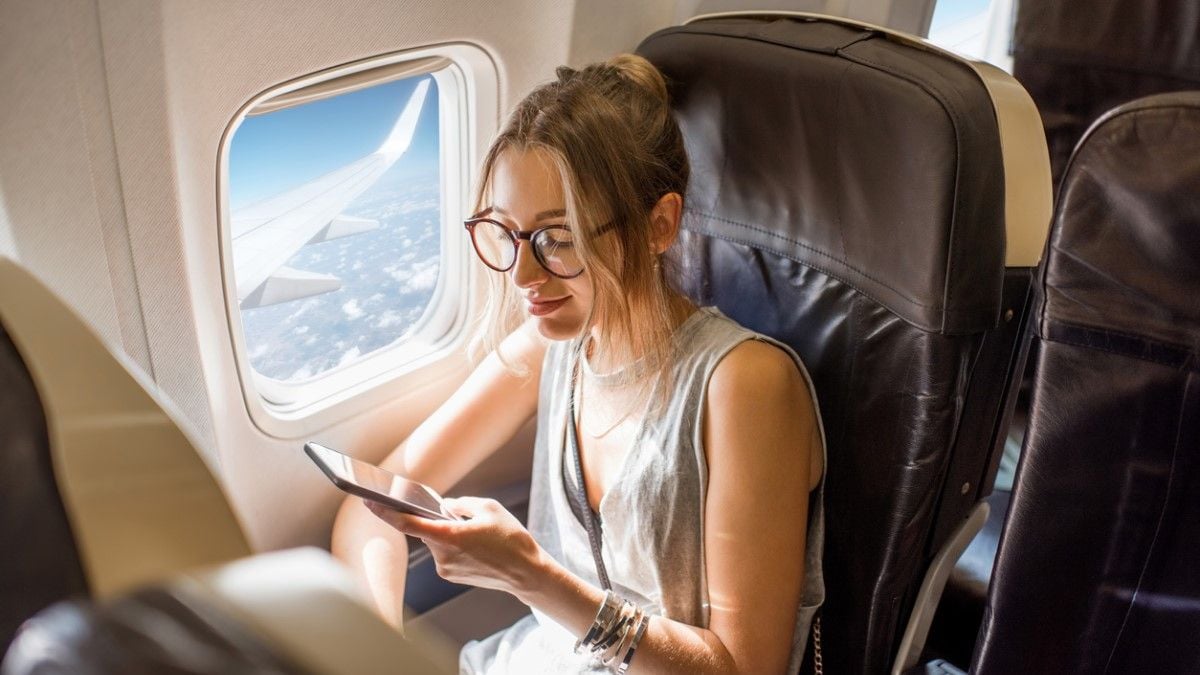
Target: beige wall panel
45	175
599	27
92	89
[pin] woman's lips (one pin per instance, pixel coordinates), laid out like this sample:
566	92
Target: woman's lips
544	307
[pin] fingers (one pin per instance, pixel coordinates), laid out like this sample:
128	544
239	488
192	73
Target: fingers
472	507
463	507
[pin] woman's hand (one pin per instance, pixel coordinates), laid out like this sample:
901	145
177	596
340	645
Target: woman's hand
490	549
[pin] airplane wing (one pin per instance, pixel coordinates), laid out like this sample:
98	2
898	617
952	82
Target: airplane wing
268	233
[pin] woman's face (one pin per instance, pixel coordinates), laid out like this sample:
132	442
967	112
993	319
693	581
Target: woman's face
527	194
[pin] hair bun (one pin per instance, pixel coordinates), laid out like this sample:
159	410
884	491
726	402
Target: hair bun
642	73
565	73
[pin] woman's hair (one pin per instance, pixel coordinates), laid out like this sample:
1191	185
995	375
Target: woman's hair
608	130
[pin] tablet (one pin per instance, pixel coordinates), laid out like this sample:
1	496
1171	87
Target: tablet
380	485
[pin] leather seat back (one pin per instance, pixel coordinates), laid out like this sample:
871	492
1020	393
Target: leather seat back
848	197
1081	59
1097	568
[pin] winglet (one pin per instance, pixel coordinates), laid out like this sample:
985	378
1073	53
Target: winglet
401	136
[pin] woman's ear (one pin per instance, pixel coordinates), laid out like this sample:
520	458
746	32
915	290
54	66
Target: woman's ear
664	221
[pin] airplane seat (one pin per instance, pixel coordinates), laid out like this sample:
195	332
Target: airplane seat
860	195
1078	60
1097	564
103	490
295	612
47	567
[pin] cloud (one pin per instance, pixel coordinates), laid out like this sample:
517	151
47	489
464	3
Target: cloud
422	277
351	309
389	318
349	356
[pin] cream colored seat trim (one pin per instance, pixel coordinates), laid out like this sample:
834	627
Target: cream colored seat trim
141	503
306	605
1028	187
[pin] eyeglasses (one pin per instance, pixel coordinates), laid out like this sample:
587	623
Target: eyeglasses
553	247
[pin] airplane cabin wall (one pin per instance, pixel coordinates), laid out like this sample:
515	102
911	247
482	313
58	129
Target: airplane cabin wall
63	215
110	129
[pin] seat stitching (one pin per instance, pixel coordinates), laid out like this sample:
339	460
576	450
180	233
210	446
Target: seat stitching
800	244
826	272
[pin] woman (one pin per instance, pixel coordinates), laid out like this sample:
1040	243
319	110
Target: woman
698	442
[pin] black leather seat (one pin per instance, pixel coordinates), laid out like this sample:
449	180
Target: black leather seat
1098	568
848	197
1081	59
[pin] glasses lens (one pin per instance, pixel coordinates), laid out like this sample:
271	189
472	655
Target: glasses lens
556	248
493	244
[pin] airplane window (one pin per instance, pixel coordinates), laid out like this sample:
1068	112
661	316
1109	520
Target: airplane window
336	200
976	29
347	188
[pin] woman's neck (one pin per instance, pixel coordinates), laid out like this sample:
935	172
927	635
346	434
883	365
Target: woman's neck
606	355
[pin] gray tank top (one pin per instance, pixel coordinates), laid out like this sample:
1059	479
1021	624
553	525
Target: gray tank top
653	515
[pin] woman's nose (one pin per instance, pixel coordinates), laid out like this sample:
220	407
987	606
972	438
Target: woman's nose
526	271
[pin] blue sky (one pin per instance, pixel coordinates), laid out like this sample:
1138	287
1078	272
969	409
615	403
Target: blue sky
947	12
272	153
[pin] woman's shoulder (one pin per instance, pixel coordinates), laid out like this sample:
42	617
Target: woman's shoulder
750	363
713	327
759	369
761	384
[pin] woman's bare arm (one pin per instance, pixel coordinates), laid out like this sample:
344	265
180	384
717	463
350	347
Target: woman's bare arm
483	414
763	446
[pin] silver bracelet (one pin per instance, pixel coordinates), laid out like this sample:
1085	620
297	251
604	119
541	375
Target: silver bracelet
614	648
615	632
605	621
637	637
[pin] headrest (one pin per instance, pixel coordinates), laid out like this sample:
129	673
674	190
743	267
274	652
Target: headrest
1123	271
872	158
